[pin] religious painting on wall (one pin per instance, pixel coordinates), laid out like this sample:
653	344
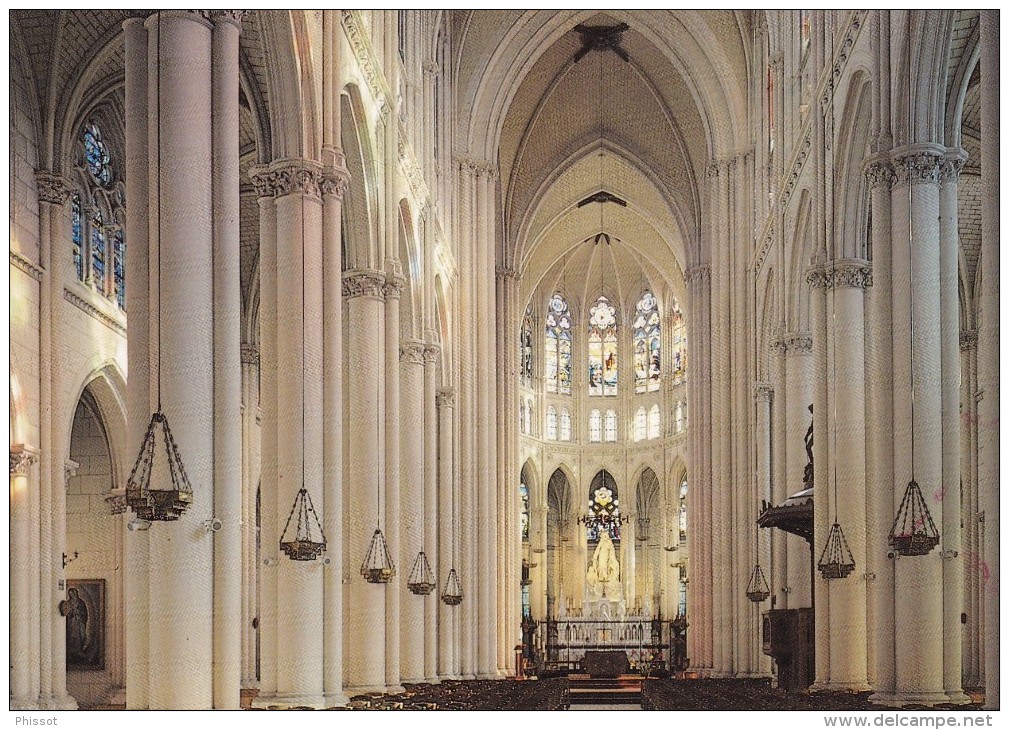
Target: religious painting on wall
85	624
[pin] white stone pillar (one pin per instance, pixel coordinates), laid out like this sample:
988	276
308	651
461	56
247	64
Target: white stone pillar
988	346
917	448
300	428
365	620
136	593
431	508
448	647
250	482
973	648
227	364
334	185
950	492
181	226
848	620
879	419
394	283
411	424
798	366
777	578
764	395
21	563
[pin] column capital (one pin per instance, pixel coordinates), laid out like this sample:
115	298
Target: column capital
445	398
763	392
431	68
250	354
234	17
471	166
919	164
968	340
287	177
431	350
699	272
394	284
22	458
505	273
878	171
52	188
335	182
952	165
364	283
851	273
799	343
412	352
70	468
818	277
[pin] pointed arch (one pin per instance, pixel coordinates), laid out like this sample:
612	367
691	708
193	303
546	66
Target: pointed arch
360	202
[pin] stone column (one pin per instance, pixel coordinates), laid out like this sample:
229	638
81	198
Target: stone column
448	648
988	346
394	283
250	483
411	423
918	447
972	647
365	619
846	370
138	387
538	556
227	364
21	565
431	507
181	227
823	500
335	181
948	493
764	396
628	542
798	397
879	419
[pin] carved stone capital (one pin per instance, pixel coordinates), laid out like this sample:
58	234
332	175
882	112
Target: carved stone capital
364	283
411	352
879	172
779	346
22	458
52	189
70	468
851	273
229	16
445	398
431	352
474	167
968	340
700	272
952	165
335	182
505	273
250	354
394	281
818	278
431	68
798	343
763	392
287	177
919	164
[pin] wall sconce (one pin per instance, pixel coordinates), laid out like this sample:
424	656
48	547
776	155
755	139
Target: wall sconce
67	559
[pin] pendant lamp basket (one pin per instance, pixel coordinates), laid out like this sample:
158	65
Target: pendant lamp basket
421	579
836	560
303	546
159	504
452	595
913	531
378	566
757	589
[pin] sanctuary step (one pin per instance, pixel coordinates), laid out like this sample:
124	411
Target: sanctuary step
622	690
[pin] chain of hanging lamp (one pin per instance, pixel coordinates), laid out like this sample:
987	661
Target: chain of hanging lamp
169	502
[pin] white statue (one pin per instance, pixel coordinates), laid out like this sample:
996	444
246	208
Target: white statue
603	577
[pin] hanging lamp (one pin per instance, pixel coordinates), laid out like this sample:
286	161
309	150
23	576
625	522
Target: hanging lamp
421	579
757	589
913	531
302	545
168	501
451	594
378	566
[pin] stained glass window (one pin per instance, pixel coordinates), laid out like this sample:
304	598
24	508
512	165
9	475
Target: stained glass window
558	347
565	430
77	234
595	426
683	512
679	342
679	416
647	344
604	507
610	428
526	350
551	423
98	251
603	348
529	417
640	424
119	267
524	496
96	155
654	422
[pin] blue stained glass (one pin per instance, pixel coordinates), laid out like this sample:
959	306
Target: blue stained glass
98	252
96	154
119	267
524	494
75	228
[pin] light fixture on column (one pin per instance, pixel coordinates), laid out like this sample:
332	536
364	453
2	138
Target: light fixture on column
168	500
756	589
451	595
302	546
421	579
378	566
913	531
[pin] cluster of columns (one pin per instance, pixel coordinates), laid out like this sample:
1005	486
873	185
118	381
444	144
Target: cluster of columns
184	299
